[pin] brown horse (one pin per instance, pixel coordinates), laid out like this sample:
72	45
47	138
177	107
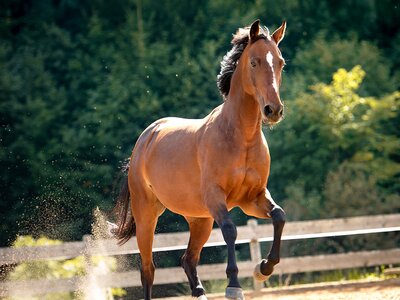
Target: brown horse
203	168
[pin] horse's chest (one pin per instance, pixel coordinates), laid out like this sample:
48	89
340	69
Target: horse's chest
253	177
247	183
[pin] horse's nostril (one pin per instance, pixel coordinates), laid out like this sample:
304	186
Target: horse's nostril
268	110
281	112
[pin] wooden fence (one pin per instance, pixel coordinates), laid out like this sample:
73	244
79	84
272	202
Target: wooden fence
252	234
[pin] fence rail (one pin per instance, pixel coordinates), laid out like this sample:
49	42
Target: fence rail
252	234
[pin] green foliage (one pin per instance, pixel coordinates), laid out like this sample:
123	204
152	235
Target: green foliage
45	269
350	186
345	150
81	80
322	56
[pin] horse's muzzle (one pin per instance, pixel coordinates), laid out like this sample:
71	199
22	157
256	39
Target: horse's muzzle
273	113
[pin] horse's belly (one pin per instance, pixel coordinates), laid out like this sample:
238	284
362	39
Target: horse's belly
179	194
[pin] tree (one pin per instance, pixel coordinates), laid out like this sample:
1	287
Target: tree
331	128
81	80
318	59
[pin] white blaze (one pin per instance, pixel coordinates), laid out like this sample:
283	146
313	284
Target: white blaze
269	58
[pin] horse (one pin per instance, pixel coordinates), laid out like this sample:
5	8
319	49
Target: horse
202	168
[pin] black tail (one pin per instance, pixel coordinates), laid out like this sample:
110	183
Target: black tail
125	222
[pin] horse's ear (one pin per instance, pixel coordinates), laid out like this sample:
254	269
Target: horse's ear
254	29
278	34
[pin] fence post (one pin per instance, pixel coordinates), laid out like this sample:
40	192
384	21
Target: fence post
255	252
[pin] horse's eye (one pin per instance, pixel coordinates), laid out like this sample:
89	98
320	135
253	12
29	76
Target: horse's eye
253	62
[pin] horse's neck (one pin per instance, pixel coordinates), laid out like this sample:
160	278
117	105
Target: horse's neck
241	111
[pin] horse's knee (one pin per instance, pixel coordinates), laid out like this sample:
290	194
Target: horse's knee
229	231
278	216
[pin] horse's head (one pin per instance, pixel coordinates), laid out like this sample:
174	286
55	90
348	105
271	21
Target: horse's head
261	66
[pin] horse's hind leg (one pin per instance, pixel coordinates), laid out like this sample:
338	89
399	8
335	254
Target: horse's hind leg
146	211
200	229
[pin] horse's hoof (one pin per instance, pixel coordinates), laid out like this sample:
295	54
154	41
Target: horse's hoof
202	297
257	273
234	293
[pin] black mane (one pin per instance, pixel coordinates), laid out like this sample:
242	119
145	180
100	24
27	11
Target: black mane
231	58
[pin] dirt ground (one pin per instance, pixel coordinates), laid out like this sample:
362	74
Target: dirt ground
378	290
388	289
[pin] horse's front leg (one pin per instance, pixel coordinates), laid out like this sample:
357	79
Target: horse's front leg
264	270
215	200
265	207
